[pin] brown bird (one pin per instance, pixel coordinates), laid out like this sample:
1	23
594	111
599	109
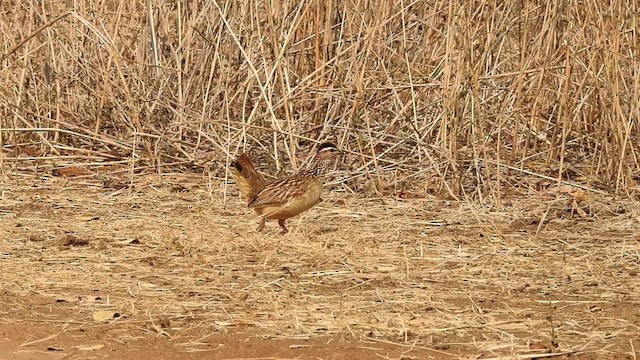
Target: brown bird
286	197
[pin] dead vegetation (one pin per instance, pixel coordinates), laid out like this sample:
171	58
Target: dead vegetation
459	99
441	278
492	170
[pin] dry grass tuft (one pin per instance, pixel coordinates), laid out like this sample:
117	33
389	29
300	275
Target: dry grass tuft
466	100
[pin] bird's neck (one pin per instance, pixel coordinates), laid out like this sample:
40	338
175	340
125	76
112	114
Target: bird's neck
317	168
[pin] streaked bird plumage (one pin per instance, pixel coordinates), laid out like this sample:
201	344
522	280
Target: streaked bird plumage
286	197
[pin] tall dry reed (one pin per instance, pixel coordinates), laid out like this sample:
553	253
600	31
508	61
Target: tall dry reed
469	99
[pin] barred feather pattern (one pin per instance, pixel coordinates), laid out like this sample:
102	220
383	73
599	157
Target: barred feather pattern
281	191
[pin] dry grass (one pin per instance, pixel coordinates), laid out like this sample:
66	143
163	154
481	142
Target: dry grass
486	205
534	278
461	99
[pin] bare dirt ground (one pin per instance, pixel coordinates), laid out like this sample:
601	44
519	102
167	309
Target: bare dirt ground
168	270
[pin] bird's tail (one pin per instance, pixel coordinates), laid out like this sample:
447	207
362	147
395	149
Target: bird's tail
250	182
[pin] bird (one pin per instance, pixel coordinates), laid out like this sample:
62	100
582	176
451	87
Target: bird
286	197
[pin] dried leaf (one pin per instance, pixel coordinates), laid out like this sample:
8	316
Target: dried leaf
179	188
538	346
70	240
36	238
579	195
71	171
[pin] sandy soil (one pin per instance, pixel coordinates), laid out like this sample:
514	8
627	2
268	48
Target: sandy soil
177	272
44	342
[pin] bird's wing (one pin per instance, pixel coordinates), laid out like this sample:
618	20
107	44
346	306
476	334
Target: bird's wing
279	192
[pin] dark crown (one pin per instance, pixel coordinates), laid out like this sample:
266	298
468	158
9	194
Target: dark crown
327	145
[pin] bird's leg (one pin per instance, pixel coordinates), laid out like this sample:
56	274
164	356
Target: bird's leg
281	222
261	226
